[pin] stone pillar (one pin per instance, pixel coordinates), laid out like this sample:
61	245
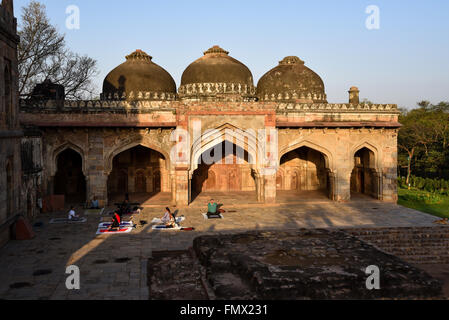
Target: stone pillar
332	185
389	184
259	188
269	185
96	177
97	183
389	163
182	186
150	181
173	188
342	185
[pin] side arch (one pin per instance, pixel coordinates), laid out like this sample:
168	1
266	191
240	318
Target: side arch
328	157
57	151
126	146
373	172
376	165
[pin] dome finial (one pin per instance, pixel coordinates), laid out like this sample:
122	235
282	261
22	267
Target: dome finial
139	55
215	50
291	60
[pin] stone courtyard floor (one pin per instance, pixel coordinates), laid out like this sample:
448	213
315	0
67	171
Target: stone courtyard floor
115	266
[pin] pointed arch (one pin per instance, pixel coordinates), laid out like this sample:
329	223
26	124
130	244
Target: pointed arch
328	157
366	177
246	140
57	151
370	147
129	145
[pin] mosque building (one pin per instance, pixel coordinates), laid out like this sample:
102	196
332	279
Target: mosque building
123	143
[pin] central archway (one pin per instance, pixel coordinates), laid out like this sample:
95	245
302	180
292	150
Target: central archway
140	173
303	174
224	171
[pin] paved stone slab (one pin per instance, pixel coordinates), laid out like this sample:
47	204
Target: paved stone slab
57	246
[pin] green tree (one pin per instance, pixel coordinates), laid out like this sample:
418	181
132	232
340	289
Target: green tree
424	140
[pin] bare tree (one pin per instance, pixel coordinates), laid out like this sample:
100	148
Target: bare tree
42	54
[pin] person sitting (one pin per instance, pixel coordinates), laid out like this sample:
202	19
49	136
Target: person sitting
168	219
95	204
212	208
116	220
72	215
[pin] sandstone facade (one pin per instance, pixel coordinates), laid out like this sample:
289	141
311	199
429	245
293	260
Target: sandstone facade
337	140
218	133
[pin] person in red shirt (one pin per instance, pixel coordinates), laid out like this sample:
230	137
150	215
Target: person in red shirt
115	222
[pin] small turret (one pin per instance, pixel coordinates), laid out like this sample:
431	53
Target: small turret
354	95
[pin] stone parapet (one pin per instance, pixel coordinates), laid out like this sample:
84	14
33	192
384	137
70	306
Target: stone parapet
95	106
336	107
142	106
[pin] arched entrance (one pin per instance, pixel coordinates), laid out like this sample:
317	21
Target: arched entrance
364	177
224	171
139	172
69	179
304	174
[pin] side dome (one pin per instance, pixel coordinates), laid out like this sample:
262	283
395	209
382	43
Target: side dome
291	81
217	76
139	78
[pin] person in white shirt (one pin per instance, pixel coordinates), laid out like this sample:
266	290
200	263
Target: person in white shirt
168	220
72	214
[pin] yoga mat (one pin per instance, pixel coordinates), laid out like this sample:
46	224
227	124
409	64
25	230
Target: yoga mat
178	220
163	228
207	218
124	224
65	220
106	231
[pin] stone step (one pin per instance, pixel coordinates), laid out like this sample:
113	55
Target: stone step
405	236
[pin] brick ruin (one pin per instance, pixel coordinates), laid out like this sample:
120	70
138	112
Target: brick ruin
293	265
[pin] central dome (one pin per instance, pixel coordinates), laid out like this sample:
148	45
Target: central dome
217	76
139	78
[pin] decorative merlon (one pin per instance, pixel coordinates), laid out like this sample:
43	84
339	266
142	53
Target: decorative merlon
216	88
78	106
291	107
131	96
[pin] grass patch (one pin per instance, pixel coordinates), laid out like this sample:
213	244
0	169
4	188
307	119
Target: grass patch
431	203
